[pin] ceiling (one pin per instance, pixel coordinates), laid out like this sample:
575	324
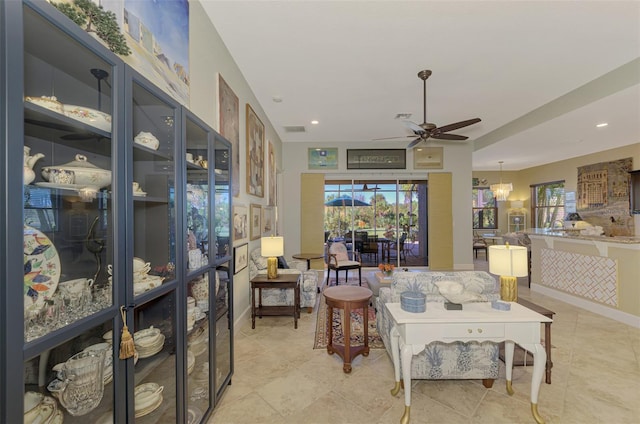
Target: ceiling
540	74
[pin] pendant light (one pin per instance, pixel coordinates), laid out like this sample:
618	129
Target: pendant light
501	191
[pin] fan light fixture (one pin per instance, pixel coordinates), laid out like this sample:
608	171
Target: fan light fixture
501	191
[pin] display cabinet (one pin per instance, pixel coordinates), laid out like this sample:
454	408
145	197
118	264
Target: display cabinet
115	223
517	220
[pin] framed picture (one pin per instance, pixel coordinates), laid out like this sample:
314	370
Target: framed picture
240	224
229	127
268	226
240	258
427	157
376	159
272	175
256	221
255	154
322	158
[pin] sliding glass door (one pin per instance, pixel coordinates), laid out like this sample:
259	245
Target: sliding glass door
384	220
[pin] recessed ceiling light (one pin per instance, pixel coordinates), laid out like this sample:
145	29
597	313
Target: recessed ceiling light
277	99
403	116
602	125
314	122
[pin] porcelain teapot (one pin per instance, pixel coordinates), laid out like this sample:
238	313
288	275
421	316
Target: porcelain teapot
28	163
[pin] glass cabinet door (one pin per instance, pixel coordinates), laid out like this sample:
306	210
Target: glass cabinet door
152	276
222	302
197	194
69	225
222	198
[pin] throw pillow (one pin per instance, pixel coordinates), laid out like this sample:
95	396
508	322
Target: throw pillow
282	263
454	292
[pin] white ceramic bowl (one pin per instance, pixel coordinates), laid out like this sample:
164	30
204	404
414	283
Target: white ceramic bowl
147	139
147	394
93	117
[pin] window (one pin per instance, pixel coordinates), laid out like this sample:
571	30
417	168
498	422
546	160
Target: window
548	204
485	211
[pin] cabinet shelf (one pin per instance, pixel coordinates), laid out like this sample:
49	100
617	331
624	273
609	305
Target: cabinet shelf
49	125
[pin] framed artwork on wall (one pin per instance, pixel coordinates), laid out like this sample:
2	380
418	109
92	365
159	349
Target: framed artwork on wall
268	226
376	159
240	224
427	157
255	154
256	221
240	258
229	127
322	158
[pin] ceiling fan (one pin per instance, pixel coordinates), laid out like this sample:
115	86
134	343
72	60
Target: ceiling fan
428	130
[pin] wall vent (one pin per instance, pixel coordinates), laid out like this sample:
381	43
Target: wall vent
295	129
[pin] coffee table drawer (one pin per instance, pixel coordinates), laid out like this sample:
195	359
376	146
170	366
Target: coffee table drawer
475	330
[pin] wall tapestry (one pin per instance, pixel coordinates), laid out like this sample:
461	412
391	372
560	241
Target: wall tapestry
255	154
272	175
603	196
152	37
229	127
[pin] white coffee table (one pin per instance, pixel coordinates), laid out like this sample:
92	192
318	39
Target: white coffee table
411	332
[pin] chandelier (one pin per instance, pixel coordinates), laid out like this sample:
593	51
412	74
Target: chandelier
501	191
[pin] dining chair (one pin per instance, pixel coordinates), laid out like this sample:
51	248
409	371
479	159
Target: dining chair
338	259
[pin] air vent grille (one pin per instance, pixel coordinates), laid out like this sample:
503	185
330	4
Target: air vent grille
295	129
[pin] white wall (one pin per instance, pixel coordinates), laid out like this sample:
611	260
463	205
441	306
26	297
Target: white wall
457	160
208	56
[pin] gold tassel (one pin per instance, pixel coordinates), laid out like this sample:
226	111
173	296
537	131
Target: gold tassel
127	347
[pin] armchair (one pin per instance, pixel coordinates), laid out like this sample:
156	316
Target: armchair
277	297
338	260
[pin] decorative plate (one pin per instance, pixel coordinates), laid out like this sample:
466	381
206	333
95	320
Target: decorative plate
41	269
93	117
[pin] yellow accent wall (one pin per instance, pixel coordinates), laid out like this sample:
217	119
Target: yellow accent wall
312	216
440	215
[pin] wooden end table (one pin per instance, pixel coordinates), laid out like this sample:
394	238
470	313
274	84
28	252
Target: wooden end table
282	281
347	298
308	257
524	357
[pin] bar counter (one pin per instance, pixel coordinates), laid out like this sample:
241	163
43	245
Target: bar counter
598	273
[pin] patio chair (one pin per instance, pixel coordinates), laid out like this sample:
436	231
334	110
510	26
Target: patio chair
338	260
399	247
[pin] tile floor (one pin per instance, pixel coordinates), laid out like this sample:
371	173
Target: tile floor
280	378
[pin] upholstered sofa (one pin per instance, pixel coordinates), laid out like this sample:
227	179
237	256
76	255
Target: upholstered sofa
442	361
275	297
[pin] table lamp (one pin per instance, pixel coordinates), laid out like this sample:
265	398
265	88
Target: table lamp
509	262
272	247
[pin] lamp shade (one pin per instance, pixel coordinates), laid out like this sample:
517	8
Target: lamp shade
272	246
511	261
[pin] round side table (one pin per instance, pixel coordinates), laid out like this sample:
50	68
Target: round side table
347	298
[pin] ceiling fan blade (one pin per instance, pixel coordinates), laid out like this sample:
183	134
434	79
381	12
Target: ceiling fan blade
449	137
414	142
414	127
457	125
400	137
